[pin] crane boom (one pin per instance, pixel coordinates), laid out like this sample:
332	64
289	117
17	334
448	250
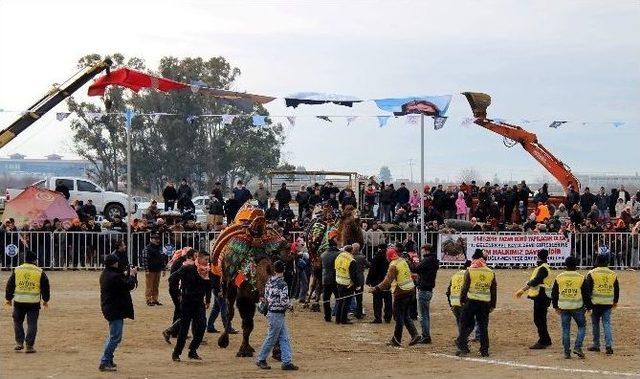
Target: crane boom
480	102
51	99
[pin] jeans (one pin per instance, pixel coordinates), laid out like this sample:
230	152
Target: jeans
31	313
303	284
385	213
113	339
540	306
424	298
219	308
472	313
380	299
342	305
327	291
603	314
191	313
403	318
578	316
276	332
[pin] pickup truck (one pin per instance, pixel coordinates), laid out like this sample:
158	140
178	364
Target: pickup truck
106	202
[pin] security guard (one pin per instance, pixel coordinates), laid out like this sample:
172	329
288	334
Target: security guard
604	290
454	290
569	297
27	285
346	277
478	298
538	289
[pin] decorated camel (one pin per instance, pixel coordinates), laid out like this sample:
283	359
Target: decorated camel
245	251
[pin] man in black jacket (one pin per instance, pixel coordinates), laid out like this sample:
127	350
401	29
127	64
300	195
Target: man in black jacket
170	195
283	196
195	297
154	264
302	198
328	259
376	274
116	304
427	270
231	208
123	259
402	195
174	292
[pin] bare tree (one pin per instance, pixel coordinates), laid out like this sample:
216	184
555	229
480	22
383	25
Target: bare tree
468	174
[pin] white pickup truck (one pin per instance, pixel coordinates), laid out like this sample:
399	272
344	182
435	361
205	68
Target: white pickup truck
106	202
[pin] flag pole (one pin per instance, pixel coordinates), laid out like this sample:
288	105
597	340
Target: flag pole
128	131
421	219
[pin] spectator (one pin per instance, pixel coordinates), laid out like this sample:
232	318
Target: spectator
262	196
231	207
154	265
302	198
348	198
315	198
283	196
613	200
62	188
402	195
386	202
217	192
461	207
333	202
185	190
602	202
272	213
622	193
287	214
619	206
586	201
90	210
152	212
216	212
561	212
241	193
170	196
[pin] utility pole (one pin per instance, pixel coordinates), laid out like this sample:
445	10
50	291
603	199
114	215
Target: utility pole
411	163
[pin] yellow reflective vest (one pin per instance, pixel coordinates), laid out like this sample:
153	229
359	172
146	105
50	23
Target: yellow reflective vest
546	284
455	288
603	290
570	290
403	275
27	278
343	260
480	284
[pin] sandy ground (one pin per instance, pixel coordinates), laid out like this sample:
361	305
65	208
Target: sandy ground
72	331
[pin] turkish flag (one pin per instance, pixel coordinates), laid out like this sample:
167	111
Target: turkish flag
134	80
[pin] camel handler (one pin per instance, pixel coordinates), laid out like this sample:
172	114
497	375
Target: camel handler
478	298
346	280
538	289
26	286
399	279
604	290
454	290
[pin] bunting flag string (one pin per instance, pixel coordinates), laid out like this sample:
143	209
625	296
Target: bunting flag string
324	118
556	124
292	120
351	119
382	120
438	122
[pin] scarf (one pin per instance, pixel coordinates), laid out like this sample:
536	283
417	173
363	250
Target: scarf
478	263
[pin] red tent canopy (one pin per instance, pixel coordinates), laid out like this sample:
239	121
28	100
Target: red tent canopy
34	205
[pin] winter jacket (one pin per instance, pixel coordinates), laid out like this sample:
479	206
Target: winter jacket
169	194
402	195
328	266
153	258
461	205
216	207
378	269
427	270
194	289
115	296
185	191
242	195
262	195
602	201
276	293
283	196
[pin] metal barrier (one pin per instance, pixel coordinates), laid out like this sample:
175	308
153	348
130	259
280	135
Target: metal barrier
86	250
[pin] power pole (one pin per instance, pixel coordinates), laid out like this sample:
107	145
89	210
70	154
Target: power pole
411	163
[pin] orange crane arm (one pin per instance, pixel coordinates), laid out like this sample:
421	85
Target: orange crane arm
480	102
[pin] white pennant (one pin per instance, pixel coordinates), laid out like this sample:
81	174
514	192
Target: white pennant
467	121
156	117
412	119
62	115
351	119
292	120
227	119
94	116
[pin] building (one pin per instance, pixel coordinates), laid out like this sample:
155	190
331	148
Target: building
608	181
52	165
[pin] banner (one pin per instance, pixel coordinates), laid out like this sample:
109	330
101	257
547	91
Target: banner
503	248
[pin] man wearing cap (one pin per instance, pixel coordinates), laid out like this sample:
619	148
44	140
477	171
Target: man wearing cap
328	259
603	290
26	287
538	289
116	305
569	296
346	270
399	280
478	297
153	262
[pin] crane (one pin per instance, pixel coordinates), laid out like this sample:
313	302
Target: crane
513	134
51	99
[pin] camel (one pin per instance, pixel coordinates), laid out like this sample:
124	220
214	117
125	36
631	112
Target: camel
245	250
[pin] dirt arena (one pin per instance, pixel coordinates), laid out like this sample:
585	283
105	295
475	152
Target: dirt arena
72	332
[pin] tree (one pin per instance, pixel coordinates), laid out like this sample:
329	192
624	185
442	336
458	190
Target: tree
183	143
385	174
468	174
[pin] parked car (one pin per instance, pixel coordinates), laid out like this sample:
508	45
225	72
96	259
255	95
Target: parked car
202	207
108	203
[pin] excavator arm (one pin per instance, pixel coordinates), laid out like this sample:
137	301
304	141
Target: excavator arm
51	99
480	102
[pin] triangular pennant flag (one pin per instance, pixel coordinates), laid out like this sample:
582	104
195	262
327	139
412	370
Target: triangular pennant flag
128	117
227	119
499	120
412	119
155	117
382	120
292	120
259	120
467	121
617	124
438	122
324	118
94	116
62	115
351	119
196	85
191	119
556	124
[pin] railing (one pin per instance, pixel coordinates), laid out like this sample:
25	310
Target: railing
86	250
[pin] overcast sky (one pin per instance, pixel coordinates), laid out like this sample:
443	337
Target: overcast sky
540	60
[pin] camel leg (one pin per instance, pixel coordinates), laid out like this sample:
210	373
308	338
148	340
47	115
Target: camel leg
247	309
230	293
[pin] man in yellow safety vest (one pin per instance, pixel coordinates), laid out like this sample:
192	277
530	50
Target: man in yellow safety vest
569	298
346	279
478	298
538	289
604	290
26	286
399	279
454	290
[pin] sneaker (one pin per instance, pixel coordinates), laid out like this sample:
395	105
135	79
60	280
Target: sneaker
112	363
426	340
394	342
30	350
415	340
609	350
194	355
263	365
18	347
579	353
150	304
537	346
289	367
567	355
157	302
106	367
167	336
461	353
175	357
594	348
484	354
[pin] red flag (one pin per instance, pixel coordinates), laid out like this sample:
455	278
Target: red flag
134	80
